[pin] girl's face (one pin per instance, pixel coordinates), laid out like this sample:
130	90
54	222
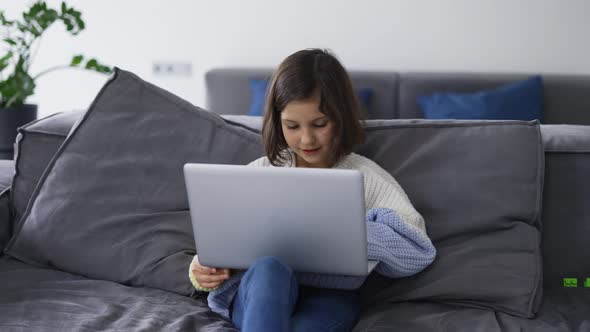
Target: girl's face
308	132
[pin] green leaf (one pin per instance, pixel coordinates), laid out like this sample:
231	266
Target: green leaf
76	60
94	65
5	60
91	64
4	21
72	20
16	89
10	41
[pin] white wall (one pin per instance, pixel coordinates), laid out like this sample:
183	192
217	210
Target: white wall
441	35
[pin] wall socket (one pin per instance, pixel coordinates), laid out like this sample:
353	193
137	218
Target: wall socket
178	69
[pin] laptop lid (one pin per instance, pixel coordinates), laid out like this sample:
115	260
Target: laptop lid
312	219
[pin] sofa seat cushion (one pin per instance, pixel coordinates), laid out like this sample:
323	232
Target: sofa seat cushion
41	299
561	311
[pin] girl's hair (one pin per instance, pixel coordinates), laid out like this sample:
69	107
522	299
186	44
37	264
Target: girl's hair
302	75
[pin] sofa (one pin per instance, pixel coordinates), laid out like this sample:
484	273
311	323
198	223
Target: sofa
96	234
394	94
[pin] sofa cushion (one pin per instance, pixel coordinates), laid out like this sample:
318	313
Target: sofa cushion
566	212
561	311
42	299
36	144
258	91
112	203
521	100
478	185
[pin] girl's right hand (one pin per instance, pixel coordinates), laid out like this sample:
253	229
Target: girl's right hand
208	277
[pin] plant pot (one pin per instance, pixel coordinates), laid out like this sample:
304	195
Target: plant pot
10	120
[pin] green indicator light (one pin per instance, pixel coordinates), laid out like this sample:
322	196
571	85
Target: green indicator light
572	282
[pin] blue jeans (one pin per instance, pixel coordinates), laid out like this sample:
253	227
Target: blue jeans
269	299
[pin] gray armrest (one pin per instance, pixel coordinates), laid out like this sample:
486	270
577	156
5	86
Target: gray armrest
5	222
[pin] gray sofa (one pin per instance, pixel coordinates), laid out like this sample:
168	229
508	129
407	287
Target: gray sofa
395	93
505	203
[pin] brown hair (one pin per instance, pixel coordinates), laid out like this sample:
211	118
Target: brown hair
300	76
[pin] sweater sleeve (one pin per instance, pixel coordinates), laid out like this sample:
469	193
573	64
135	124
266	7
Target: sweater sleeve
402	250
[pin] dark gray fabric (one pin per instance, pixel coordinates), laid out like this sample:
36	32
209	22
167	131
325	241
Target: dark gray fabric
37	299
566	208
561	311
565	99
478	186
6	173
5	217
112	204
36	144
228	90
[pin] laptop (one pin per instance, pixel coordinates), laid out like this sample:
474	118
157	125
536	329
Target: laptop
311	219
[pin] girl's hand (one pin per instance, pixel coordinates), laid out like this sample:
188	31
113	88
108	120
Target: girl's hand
208	277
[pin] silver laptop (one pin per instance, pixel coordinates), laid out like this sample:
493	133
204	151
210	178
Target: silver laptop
311	219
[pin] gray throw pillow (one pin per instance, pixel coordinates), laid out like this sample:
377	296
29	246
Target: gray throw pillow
112	203
479	187
36	144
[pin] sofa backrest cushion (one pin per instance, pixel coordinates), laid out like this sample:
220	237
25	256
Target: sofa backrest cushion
566	204
478	185
112	203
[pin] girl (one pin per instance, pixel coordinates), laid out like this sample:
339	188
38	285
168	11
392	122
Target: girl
312	120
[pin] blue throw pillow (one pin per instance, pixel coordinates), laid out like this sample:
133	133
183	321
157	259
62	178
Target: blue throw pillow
258	91
522	100
364	96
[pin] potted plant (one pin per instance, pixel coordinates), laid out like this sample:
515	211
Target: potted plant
19	39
